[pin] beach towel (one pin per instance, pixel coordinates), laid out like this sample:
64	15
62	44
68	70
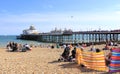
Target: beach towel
95	61
115	61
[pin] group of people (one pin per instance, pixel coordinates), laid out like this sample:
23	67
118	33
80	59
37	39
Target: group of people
110	43
65	56
68	49
95	49
13	47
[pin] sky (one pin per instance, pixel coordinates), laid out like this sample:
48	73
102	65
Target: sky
46	15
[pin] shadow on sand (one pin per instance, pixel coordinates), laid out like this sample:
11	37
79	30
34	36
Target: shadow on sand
70	65
82	69
55	61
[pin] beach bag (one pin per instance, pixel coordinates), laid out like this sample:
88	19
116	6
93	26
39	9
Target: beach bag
115	61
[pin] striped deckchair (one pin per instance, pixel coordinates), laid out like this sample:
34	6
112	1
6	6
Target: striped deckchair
78	56
95	61
115	61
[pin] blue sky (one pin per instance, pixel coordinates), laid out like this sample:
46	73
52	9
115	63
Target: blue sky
78	15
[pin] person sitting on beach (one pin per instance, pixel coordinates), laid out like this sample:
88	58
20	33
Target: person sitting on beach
65	54
9	46
93	49
110	43
52	47
115	44
57	46
97	50
22	48
80	46
27	47
72	57
106	47
15	47
70	46
64	46
108	58
84	45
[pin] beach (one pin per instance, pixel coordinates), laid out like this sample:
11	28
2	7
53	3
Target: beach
39	61
36	61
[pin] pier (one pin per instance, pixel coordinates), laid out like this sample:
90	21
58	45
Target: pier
82	37
76	37
68	36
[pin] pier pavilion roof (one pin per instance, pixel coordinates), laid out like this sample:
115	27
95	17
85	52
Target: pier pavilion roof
56	32
32	27
67	32
31	30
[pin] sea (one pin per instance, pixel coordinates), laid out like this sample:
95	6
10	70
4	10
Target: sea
4	39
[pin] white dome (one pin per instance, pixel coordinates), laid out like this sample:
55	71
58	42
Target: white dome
32	27
31	30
